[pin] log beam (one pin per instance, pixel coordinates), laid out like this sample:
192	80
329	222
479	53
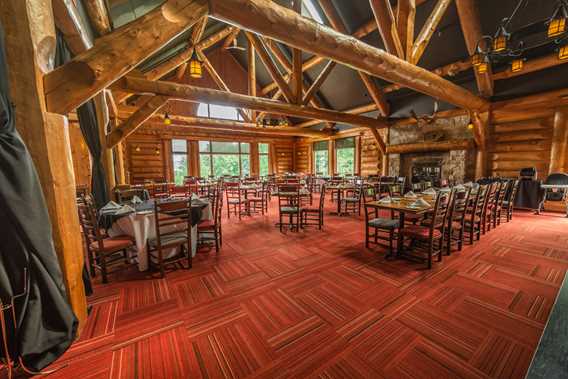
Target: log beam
29	24
481	124
117	53
205	95
384	16
559	147
99	16
297	81
428	30
374	91
426	147
71	24
144	113
322	76
251	74
531	65
405	20
266	59
274	21
471	27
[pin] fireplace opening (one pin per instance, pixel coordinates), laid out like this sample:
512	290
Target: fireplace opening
427	171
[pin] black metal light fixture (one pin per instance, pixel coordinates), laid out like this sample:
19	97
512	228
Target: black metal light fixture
271	122
505	46
557	23
195	66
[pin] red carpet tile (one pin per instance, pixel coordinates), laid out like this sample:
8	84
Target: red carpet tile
318	304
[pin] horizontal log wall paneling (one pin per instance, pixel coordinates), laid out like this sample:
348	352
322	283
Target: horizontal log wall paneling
284	158
371	157
515	145
303	157
145	163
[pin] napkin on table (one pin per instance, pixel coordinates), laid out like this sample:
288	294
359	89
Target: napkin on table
410	195
420	203
125	209
385	200
111	205
429	191
136	200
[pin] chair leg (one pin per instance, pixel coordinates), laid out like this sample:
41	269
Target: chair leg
216	236
102	261
366	235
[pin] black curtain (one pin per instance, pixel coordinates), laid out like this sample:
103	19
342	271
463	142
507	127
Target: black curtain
89	127
45	322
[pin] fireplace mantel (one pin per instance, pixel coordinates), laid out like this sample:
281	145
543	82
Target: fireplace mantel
426	147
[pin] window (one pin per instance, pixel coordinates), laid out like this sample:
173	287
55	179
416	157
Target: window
263	149
345	156
179	160
218	111
321	158
224	158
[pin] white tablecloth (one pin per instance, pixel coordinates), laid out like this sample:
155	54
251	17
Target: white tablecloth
141	226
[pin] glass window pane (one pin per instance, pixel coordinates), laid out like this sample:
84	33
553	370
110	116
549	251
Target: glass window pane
321	145
245	147
222	111
344	143
263	165
204	146
204	165
226	164
245	164
180	167
179	146
321	160
203	110
345	161
263	148
225	147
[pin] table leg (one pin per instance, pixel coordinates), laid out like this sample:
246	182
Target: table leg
339	202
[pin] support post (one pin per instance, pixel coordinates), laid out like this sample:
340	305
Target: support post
559	142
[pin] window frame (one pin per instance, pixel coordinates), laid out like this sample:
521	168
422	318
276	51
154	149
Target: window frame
263	154
211	154
208	107
175	153
314	152
336	160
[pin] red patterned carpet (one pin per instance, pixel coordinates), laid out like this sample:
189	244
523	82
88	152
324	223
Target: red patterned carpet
318	304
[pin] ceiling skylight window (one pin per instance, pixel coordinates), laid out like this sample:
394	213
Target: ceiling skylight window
312	11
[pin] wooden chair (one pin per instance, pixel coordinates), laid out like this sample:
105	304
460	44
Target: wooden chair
289	206
259	202
352	202
456	219
474	214
426	241
102	251
380	231
313	216
210	230
417	187
123	196
503	190
173	223
236	200
395	190
160	190
489	206
509	202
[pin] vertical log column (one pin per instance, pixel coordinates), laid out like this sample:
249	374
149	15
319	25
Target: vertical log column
385	156
30	49
107	156
481	123
559	146
254	162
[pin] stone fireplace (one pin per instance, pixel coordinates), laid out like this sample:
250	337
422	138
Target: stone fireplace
430	153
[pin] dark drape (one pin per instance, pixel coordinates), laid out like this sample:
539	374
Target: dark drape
45	322
89	128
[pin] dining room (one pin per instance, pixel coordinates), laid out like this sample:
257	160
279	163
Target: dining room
283	189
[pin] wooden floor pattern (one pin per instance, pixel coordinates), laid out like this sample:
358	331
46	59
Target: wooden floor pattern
318	304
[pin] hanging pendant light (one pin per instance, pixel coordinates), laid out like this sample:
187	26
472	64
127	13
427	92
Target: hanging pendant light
195	66
476	59
563	53
557	23
167	119
470	125
517	65
483	67
500	40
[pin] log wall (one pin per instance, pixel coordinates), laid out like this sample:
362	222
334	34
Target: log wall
81	156
515	145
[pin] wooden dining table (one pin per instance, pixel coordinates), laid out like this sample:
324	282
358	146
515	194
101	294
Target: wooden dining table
403	206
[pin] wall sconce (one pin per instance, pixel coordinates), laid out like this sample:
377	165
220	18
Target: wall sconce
157	151
137	149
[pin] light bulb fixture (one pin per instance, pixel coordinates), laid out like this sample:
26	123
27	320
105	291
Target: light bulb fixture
157	151
137	149
470	125
501	39
167	119
483	67
563	53
195	66
476	59
517	65
557	23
